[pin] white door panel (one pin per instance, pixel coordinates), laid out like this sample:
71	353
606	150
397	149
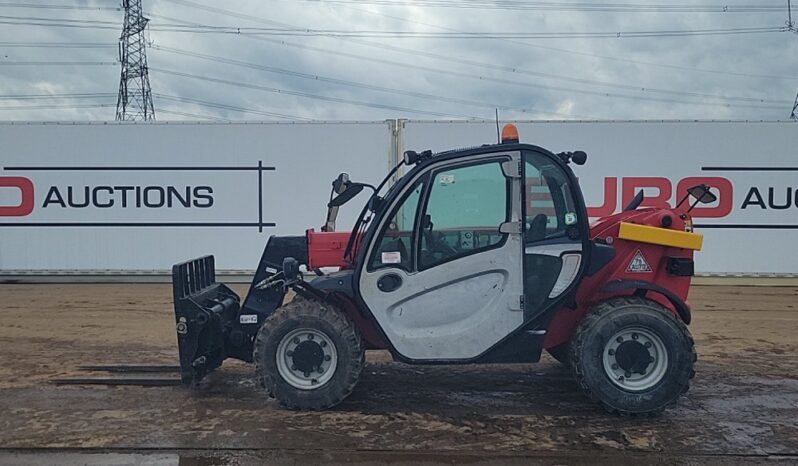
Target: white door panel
444	313
458	309
412	313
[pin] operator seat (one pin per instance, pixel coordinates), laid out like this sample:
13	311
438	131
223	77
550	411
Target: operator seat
537	228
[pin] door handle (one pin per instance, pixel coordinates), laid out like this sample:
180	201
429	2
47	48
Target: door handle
389	282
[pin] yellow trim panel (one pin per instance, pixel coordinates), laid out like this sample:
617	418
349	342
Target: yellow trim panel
661	236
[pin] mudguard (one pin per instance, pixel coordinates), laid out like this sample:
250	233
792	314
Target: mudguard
642	286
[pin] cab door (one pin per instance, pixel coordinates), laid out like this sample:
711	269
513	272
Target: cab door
555	232
444	274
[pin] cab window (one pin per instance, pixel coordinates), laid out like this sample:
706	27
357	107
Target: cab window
550	207
464	210
395	242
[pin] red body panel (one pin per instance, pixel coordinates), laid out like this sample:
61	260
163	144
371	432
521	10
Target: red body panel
326	248
605	230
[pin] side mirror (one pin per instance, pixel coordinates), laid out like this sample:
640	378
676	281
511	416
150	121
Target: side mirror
578	157
702	194
351	190
339	184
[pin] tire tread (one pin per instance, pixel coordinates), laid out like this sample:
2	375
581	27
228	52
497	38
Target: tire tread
590	320
301	307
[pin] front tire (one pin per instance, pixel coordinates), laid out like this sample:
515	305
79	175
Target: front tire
308	355
633	356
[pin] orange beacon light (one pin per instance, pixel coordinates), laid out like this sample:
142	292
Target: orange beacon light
509	134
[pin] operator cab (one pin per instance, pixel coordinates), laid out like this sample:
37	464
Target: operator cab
473	247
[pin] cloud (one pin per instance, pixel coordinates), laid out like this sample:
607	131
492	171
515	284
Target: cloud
609	78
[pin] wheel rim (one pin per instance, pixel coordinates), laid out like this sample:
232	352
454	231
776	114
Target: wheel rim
306	358
635	359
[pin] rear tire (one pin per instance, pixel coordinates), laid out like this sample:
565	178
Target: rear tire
633	356
308	355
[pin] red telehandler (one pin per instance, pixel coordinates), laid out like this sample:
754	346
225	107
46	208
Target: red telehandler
481	255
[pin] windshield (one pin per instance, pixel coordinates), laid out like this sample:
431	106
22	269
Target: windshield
365	215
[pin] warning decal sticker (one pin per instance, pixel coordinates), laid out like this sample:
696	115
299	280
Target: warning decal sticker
638	264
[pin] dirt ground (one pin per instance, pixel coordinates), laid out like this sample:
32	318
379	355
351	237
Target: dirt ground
742	408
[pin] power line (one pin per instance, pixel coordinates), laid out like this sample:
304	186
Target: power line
312	96
442	98
280	30
567	6
234	14
58	45
192	115
221	106
560	77
237	30
560	50
410	93
348	101
34	97
517	83
55	6
57	63
79	22
338	81
94	95
54	107
492	67
56	25
355	84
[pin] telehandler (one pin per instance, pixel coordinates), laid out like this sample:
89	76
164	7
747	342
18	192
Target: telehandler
472	256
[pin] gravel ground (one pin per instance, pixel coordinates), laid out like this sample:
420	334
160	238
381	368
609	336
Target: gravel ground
742	408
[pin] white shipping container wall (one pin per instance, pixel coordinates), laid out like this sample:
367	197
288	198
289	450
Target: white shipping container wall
137	197
754	230
298	164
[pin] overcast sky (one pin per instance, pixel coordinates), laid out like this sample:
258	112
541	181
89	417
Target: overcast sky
740	77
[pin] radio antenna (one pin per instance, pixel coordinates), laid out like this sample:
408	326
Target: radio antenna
498	133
